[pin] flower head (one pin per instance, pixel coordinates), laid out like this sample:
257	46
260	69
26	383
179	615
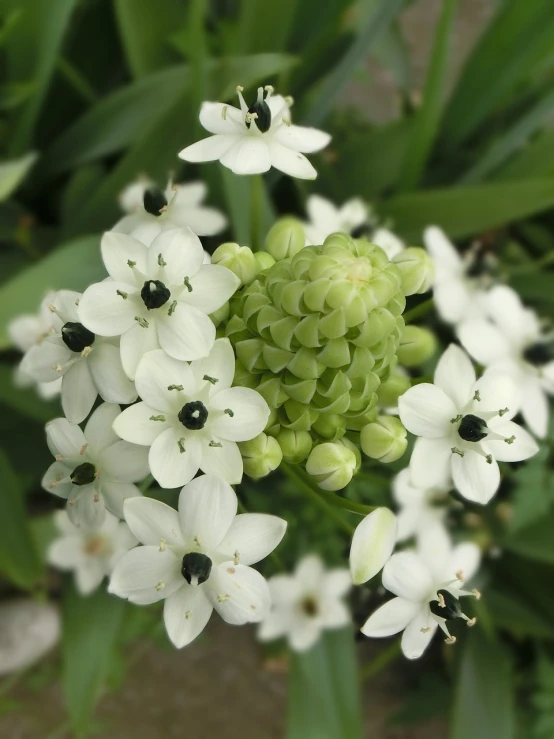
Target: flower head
325	218
94	470
253	139
306	603
513	342
158	296
89	365
427	584
465	428
191	417
152	210
90	553
198	558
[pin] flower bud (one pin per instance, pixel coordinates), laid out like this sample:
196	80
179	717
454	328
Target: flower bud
260	455
220	315
239	259
263	260
285	238
392	389
332	465
372	545
385	439
295	445
417	345
330	426
416	270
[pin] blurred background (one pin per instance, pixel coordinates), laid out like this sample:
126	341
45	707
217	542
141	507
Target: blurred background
441	112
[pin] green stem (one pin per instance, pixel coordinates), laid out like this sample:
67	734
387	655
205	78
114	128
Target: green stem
420	310
256	206
146	484
77	81
378	663
533	267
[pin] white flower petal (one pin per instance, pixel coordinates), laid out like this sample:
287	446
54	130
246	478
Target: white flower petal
252	537
372	545
535	407
156	373
52	480
135	424
187	334
427	411
304	634
512	318
107	372
455	375
210	149
248	417
418	634
41	361
474	477
453	299
390	618
185	194
224	460
186	614
522	447
182	252
464	560
222	119
496	392
135	343
291	162
406	575
202	221
89	576
441	249
98	431
66	552
118	249
146	575
250	155
151	521
301	138
212	286
78	392
238	593
86	508
483	341
430	463
218	365
116	493
174	458
124	461
336	583
64	439
207	507
105	312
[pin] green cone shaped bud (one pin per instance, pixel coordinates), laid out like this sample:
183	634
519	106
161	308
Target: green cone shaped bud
417	345
332	465
285	238
385	439
260	456
392	389
220	315
330	426
263	260
295	445
239	259
372	544
416	269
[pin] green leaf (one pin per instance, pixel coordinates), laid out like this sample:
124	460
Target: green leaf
144	27
500	61
483	706
12	173
427	117
463	211
535	160
535	541
25	401
324	700
515	615
90	627
19	560
73	266
33	48
264	26
534	492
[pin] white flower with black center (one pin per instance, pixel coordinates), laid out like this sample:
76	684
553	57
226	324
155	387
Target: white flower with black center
89	365
513	342
428	584
94	470
325	218
90	553
158	296
420	508
306	603
253	139
198	558
152	210
465	428
461	282
191	417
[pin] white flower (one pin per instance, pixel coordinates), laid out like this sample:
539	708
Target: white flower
512	342
306	603
466	428
428	584
198	558
419	511
325	218
94	470
372	544
88	364
191	417
460	284
152	210
388	241
159	296
252	140
91	553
